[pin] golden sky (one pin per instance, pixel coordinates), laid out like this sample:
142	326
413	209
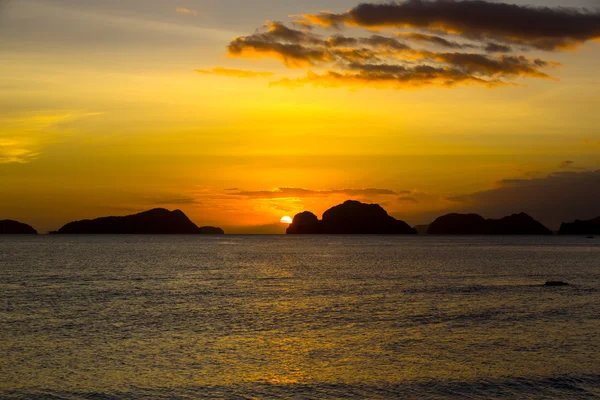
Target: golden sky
239	113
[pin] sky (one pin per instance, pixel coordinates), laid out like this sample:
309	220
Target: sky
242	112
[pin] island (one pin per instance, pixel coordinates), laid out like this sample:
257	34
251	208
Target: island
474	224
350	218
10	227
578	227
158	221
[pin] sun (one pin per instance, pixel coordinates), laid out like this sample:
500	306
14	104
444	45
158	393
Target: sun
286	220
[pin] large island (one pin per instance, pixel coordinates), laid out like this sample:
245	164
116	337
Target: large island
158	222
474	224
352	217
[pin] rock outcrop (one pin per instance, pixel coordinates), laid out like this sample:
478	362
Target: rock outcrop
473	224
350	218
211	230
578	227
10	227
555	283
158	221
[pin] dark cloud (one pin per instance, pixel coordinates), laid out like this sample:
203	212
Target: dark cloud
497	48
381	61
544	28
559	197
435	40
167	200
406	199
293	47
504	66
566	164
388	76
305	193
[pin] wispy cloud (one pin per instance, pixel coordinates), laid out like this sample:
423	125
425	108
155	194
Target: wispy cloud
183	10
237	73
280	193
16	150
23	138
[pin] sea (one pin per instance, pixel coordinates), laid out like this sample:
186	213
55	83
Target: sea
299	317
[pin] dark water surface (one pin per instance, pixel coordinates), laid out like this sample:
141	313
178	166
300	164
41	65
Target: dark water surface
316	317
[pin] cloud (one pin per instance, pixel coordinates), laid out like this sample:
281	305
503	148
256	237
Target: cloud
16	150
569	165
169	200
280	193
543	28
282	43
497	48
384	62
406	199
385	76
237	73
558	197
566	164
435	40
34	133
182	10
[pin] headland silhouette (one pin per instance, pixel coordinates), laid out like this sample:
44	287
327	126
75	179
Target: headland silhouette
10	227
578	227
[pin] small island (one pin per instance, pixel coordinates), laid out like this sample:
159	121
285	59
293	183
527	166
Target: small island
350	218
578	227
158	221
474	224
10	227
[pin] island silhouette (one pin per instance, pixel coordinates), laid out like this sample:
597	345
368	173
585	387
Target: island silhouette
474	224
158	221
351	217
579	227
10	227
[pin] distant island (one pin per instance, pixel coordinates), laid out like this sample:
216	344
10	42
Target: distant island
474	224
10	227
578	227
158	221
352	217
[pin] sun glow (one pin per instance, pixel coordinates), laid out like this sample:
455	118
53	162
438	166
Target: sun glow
286	220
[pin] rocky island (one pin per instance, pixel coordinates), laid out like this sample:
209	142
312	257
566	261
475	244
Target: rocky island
158	222
474	224
10	227
352	217
578	227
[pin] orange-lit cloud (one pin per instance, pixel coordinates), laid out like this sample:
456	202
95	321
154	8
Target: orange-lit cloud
237	73
388	78
538	27
182	10
282	193
384	62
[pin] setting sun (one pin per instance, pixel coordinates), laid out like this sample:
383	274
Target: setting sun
286	220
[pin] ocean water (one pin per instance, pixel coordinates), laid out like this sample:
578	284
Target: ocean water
303	317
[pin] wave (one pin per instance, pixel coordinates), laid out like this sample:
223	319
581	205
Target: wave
533	388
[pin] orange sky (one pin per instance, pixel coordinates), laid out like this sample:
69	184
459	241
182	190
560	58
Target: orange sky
113	108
